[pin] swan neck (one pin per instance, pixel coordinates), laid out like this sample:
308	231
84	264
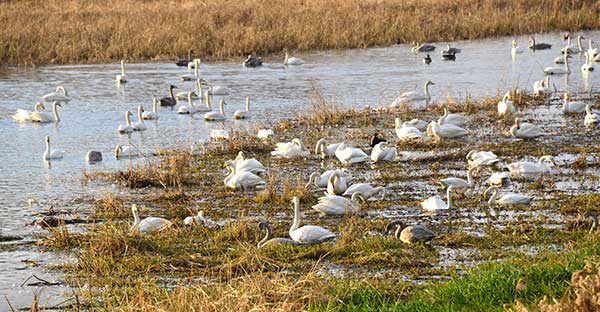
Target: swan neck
469	178
579	44
136	218
127	119
449	195
207	98
123	68
171	93
266	238
139	114
296	222
247	103
594	223
222	108
492	199
190	103
285	60
154	106
55	112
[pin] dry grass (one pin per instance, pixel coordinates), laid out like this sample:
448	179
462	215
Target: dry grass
63	31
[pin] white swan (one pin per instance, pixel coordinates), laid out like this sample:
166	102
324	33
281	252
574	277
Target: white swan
499	178
321	180
127	127
525	130
243	114
308	234
190	108
195	64
507	199
337	205
350	155
405	132
139	125
381	152
455	119
122	78
570	107
217	116
588	66
23	115
325	150
248	164
435	203
567	48
219	90
154	113
336	184
40	116
219	134
481	158
592	52
561	59
407	99
515	49
149	224
199	93
417	123
125	151
60	95
295	148
290	60
506	105
526	169
243	179
558	70
52	153
445	131
591	119
196	220
365	189
541	87
265	134
460	184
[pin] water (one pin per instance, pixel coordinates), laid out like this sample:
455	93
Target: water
354	77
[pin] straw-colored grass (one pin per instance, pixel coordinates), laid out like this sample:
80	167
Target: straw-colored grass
63	31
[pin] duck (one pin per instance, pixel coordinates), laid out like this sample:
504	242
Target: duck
125	151
435	203
459	183
541	87
334	205
406	132
505	106
591	119
252	61
527	169
588	66
290	60
538	46
350	155
417	47
153	115
127	127
427	59
406	98
169	100
571	107
265	134
243	179
410	234
481	158
149	224
217	116
49	153
375	139
122	78
455	119
381	152
507	199
515	48
185	61
60	95
499	178
268	241
445	131
525	130
323	149
242	163
292	149
44	117
190	108
322	179
243	114
336	184
307	234
23	115
558	70
365	189
139	125
195	65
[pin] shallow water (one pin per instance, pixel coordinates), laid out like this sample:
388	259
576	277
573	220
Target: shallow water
355	77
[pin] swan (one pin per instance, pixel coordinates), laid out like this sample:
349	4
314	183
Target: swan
149	224
499	178
567	49
122	78
591	119
460	184
125	151
196	220
406	132
217	116
481	158
60	95
336	184
290	60
529	169
52	153
507	199
139	125
413	96
248	164
538	46
417	47
195	64
381	152
243	179
308	234
218	134
411	233
450	50
321	180
154	113
169	100
427	59
40	116
338	205
23	115
325	150
455	119
219	90
515	49
185	62
243	114
350	155
190	108
592	52
579	45
268	241
445	131
569	107
588	66
417	123
265	134
183	95
127	127
525	130
252	61
506	105
541	87
295	148
558	70
435	203
365	189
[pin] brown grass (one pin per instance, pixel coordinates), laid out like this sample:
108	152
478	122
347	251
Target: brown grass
63	31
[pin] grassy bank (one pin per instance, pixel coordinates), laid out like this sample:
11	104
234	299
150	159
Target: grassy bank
62	31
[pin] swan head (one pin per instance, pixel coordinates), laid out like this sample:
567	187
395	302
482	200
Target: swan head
429	83
514	43
567	97
172	87
517	123
358	196
47	139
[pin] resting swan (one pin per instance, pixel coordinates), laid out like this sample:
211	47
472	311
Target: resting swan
127	127
39	116
405	132
365	189
325	150
60	95
445	131
336	184
507	199
591	119
527	169
481	158
435	203
541	87
381	152
455	119
243	114
525	130
321	180
149	224
571	107
248	164
506	105
295	148
411	233
52	153
350	155
308	234
334	205
406	99
122	78
243	179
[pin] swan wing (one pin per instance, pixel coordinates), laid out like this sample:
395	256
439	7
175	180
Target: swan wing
151	224
433	203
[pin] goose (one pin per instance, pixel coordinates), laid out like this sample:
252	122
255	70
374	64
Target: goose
411	233
334	205
594	216
127	151
307	234
570	107
190	108
435	203
499	178
413	96
265	134
506	105
52	153
365	189
350	155
417	47
218	90
525	130
557	70
460	184
290	60
321	180
154	113
185	62
427	59
507	199
195	65
541	87
591	119
455	119
149	224
122	78
336	184
417	123
169	100
406	132
515	49
252	61
538	46
375	139
325	150
268	241
248	164
243	114
482	158
60	95
127	127
139	125
216	116
567	49
381	152
183	95
292	149
592	52
243	179
445	131
528	169
23	115
588	66
44	117
196	220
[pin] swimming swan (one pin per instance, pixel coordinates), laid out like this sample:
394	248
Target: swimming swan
195	65
125	151
308	234
190	108
52	153
217	116
122	78
139	125
149	224
290	60
538	46
60	95
39	116
154	113
243	114
557	70
169	100
127	127
23	115
515	49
